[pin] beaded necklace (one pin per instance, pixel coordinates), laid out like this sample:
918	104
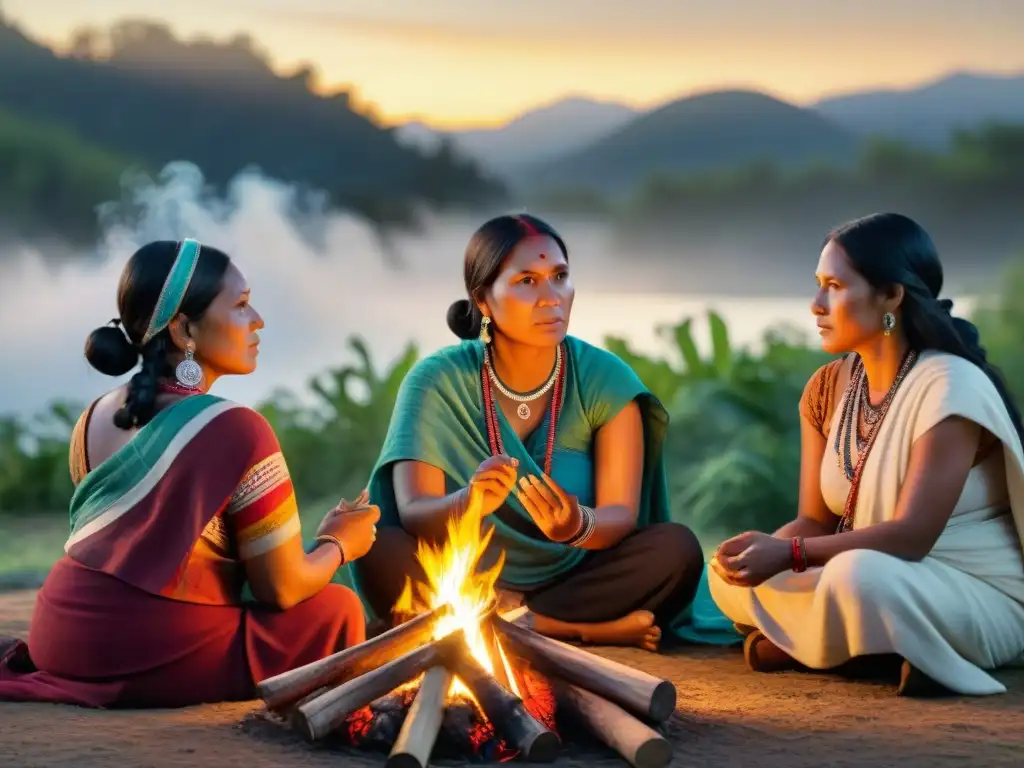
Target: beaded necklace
494	440
856	393
178	389
523	398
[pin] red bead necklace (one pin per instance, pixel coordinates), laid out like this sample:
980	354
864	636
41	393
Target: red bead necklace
178	389
848	420
494	440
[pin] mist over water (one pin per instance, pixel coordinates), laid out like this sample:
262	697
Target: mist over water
316	283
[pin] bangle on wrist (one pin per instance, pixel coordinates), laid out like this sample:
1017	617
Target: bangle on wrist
799	554
588	522
328	538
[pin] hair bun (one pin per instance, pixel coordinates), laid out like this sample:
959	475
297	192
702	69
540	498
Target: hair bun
108	351
463	321
946	305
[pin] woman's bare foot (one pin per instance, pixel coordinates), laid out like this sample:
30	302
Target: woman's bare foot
637	628
14	653
7	646
916	684
762	655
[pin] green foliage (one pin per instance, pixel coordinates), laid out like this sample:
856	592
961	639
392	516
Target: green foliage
734	441
34	460
331	446
733	448
733	426
52	180
1001	325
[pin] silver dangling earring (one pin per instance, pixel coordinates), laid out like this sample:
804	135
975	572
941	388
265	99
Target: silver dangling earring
485	330
188	372
888	323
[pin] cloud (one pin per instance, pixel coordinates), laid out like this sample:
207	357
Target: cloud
619	22
519	27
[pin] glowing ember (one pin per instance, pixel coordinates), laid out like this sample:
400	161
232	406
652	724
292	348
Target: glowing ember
452	578
465	730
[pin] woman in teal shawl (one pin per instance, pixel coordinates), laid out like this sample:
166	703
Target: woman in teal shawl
561	443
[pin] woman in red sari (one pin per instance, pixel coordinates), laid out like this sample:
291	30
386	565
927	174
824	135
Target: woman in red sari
185	579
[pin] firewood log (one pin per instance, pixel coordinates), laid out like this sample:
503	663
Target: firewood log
317	717
289	687
637	743
643	694
416	740
505	710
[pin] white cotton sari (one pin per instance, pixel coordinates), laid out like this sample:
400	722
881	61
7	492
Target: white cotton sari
953	615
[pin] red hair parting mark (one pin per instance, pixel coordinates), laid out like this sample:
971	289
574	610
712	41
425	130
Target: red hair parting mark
531	230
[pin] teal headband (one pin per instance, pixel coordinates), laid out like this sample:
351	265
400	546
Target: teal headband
175	288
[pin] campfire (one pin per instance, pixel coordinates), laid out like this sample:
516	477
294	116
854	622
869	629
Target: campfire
459	670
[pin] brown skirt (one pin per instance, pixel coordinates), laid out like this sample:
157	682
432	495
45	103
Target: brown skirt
96	641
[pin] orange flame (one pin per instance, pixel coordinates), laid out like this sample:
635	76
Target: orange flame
453	578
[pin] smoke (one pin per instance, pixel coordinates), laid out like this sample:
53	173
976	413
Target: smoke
317	276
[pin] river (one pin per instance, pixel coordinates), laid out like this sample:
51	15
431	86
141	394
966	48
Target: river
318	286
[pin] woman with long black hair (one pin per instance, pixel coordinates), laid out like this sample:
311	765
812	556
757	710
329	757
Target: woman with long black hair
907	543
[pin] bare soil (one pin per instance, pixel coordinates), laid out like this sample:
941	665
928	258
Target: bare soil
726	716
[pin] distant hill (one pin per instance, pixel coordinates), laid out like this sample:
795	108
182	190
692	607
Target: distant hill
221	106
709	132
546	133
535	136
921	116
928	115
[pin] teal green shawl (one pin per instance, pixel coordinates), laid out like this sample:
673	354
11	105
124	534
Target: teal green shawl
439	420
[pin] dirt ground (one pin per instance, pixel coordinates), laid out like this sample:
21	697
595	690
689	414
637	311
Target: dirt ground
726	716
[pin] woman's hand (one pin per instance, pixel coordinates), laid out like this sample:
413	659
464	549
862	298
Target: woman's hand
554	511
354	525
493	481
752	558
360	502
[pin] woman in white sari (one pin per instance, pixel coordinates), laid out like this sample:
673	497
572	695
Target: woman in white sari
908	535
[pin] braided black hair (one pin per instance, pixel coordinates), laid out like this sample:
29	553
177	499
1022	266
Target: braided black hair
116	348
891	249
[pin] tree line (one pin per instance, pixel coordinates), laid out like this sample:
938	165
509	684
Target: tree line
137	96
967	197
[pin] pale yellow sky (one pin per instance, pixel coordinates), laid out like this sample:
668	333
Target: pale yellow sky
459	62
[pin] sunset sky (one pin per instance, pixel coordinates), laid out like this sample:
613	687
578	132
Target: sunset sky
461	62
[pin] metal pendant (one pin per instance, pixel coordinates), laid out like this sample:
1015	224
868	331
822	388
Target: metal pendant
523	411
188	373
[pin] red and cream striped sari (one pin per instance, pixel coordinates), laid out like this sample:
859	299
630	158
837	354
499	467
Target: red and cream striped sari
149	606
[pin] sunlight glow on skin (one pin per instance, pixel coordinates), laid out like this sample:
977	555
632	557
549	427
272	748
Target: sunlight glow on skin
531	291
227	338
848	309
